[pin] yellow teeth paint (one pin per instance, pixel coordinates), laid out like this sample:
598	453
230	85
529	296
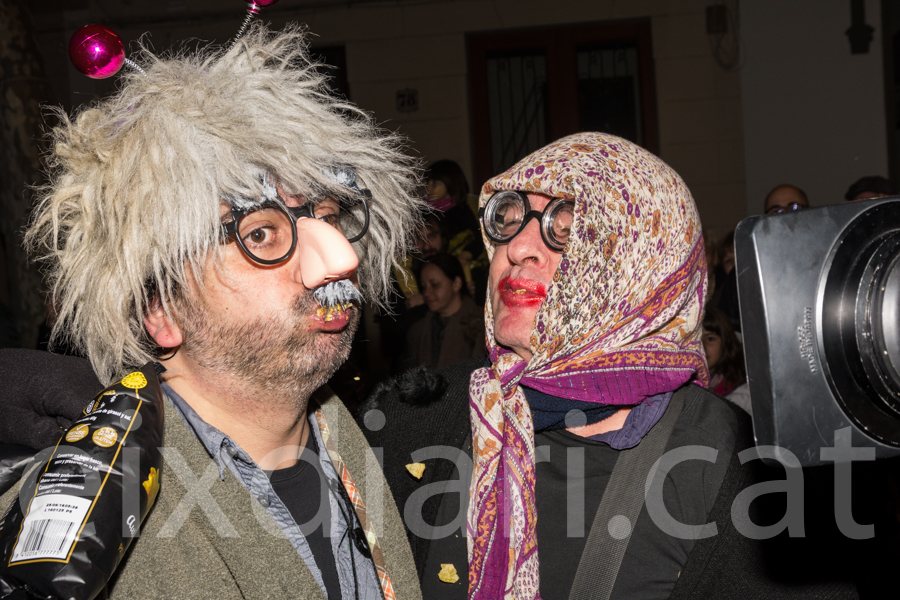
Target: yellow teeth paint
328	314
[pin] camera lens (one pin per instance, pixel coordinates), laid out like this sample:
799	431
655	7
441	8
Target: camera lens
860	322
875	330
884	324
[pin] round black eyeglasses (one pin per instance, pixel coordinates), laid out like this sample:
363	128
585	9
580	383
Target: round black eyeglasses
507	213
267	233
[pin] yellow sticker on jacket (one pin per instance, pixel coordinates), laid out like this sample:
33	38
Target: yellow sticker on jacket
416	469
448	573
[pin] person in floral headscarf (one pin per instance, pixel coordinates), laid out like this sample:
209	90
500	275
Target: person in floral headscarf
600	314
597	281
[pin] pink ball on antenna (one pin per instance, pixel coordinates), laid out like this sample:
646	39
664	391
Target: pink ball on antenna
255	5
97	51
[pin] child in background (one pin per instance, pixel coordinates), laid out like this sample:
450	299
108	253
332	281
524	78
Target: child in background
725	358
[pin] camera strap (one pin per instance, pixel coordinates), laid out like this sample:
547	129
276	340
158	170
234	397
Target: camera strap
623	497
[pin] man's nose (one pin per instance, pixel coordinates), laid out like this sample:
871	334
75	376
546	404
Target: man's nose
528	246
324	253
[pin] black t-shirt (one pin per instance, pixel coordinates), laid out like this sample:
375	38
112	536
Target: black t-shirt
653	559
300	488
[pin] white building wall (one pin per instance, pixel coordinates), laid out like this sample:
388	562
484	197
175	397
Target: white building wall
814	113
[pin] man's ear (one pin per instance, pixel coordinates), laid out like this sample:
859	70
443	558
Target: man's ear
161	327
457	284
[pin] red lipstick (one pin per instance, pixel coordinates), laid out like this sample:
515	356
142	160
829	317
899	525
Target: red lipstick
521	292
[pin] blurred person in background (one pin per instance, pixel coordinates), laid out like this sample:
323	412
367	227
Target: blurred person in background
407	305
447	192
726	252
725	358
866	188
723	288
453	328
719	263
430	240
785	198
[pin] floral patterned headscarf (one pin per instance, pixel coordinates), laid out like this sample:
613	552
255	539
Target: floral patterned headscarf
621	322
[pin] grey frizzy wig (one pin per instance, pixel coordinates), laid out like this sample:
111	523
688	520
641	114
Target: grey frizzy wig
136	182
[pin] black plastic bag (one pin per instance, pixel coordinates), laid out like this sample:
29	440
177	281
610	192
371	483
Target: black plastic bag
13	461
76	516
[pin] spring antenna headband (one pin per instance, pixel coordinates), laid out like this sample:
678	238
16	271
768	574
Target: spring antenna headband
97	50
253	8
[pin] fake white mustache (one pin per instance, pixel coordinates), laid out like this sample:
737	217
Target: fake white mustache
336	293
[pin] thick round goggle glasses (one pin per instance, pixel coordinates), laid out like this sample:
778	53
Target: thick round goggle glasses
507	213
268	233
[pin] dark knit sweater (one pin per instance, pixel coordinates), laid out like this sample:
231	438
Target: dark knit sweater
422	408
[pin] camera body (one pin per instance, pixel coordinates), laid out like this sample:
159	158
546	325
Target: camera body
819	296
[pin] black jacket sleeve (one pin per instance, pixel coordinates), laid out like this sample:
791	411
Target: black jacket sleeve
41	393
732	566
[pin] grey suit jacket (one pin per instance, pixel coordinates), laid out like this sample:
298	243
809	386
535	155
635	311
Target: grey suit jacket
239	551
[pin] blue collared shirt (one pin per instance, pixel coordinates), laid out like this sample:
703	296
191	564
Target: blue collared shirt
356	572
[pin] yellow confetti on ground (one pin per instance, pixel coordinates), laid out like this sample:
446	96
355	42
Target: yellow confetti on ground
416	469
448	574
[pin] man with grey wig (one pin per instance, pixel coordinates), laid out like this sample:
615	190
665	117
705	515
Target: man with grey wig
224	214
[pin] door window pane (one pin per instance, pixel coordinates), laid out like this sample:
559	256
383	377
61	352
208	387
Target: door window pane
609	95
517	90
